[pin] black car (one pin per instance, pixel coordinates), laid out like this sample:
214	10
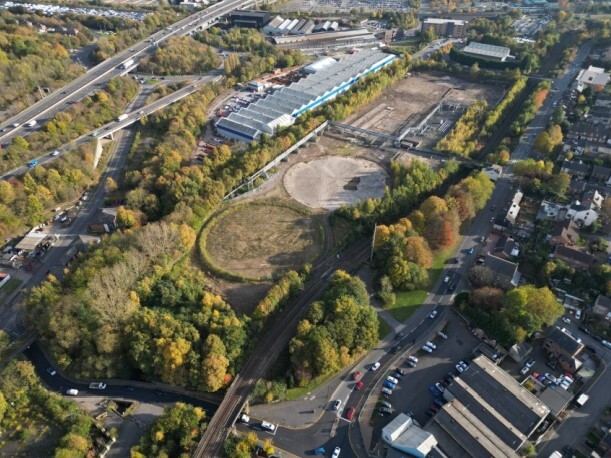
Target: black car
397	375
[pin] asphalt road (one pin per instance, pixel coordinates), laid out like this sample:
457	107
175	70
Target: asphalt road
137	393
99	75
114	126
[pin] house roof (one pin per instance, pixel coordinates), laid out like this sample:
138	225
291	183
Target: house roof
564	340
567	229
576	255
603	301
575	166
556	398
501	266
601	170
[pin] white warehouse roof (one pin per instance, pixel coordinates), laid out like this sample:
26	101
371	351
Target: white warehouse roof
292	101
481	49
319	64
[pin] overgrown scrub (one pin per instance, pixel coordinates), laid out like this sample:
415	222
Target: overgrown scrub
180	56
529	110
463	139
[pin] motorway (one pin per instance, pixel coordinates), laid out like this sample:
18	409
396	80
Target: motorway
114	126
99	75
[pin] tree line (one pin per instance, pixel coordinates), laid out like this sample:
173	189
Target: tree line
31	62
404	250
510	316
336	330
32	415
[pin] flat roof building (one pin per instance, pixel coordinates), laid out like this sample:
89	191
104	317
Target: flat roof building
594	77
454	28
290	102
488	413
249	18
402	434
500	53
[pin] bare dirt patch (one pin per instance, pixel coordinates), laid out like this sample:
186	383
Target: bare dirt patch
409	101
260	240
333	181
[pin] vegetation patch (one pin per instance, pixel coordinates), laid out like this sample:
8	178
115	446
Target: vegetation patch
257	241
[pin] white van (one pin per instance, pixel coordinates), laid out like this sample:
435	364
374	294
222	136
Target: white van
244	418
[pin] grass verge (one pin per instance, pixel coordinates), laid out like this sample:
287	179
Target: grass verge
408	301
10	286
300	391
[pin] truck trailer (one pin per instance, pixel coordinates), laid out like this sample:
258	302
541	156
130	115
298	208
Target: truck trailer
128	63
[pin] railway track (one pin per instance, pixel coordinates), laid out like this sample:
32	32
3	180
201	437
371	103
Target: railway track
271	344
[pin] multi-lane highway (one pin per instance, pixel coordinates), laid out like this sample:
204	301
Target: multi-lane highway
99	75
114	126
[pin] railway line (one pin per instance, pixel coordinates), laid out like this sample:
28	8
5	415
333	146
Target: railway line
269	347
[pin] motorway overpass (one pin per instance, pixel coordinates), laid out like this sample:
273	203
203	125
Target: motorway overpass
107	130
99	75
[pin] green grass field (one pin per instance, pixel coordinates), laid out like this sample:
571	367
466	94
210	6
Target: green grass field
409	301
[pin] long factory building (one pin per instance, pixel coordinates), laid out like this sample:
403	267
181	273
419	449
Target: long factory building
286	104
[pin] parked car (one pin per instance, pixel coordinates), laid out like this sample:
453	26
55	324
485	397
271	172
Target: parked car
524	370
358	386
530	363
431	345
337	404
320	451
391	379
97	386
412	359
566	320
389	385
387	391
268	426
433	389
470	250
398	370
442	335
356	375
440	387
396	349
426	349
383	411
388	405
51	371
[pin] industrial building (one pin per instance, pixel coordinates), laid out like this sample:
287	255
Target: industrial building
284	105
500	53
454	28
402	434
488	413
593	77
249	18
331	40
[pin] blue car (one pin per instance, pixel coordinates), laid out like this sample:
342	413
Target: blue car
470	250
33	163
319	451
433	389
390	385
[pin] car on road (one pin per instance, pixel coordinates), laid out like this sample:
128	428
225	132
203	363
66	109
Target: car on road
446	279
606	343
433	314
375	366
130	388
55	153
470	250
396	349
426	349
337	404
268	426
97	386
440	387
72	392
391	379
566	320
433	389
356	375
410	363
451	287
350	413
399	336
389	385
33	163
158	392
51	371
336	452
358	386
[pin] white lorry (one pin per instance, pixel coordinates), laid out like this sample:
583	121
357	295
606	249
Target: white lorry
122	117
128	63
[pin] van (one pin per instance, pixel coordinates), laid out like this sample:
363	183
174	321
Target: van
244	418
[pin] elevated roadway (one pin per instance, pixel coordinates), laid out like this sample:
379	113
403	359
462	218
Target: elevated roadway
109	129
99	75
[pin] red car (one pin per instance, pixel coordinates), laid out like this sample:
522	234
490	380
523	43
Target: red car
350	413
356	375
358	386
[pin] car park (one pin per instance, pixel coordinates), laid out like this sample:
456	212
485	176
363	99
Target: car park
72	392
375	366
391	379
433	314
426	349
337	404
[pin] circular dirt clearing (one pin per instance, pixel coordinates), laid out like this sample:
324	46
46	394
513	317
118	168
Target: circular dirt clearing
332	181
258	240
